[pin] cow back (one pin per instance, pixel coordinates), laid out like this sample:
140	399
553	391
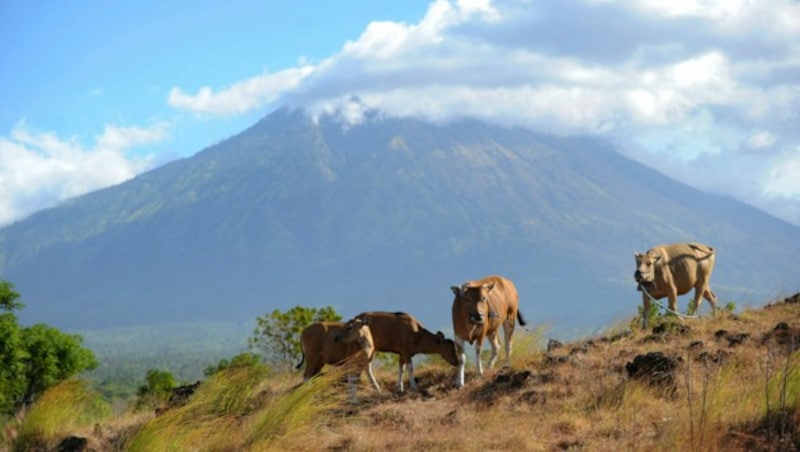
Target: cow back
682	265
392	331
319	339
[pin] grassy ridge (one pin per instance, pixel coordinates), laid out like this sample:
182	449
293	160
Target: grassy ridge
735	386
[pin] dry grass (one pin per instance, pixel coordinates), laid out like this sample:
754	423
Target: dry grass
70	406
736	386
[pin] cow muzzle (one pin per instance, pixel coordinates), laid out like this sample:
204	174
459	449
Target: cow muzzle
476	318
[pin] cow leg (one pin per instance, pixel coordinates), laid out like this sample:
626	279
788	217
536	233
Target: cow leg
494	341
462	360
402	367
699	291
313	367
673	299
645	310
372	377
411	381
478	350
709	295
508	336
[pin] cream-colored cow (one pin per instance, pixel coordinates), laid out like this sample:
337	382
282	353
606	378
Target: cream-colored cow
672	270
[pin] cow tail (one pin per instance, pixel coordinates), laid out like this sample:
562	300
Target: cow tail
709	250
521	320
302	360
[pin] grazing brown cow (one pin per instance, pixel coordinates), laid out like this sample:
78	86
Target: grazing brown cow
401	333
672	270
479	309
319	346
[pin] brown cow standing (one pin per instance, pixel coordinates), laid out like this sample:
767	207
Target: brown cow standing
672	270
403	334
479	309
319	346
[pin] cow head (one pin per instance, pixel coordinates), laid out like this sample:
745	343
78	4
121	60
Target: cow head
477	300
450	351
646	264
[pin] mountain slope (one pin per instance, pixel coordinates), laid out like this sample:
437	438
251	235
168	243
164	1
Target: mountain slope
384	215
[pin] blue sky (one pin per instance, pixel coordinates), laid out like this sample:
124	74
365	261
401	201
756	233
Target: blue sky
95	92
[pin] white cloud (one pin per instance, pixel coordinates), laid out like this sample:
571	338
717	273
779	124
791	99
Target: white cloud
784	178
680	82
240	97
39	169
761	139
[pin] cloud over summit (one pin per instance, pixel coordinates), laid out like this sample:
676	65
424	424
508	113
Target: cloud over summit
668	81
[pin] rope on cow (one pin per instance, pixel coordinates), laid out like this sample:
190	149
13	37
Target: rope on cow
658	303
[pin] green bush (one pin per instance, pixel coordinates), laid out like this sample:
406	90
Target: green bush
156	391
34	358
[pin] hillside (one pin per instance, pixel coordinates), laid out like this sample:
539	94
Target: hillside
388	215
725	383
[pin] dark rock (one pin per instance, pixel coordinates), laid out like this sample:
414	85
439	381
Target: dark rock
696	344
784	336
793	299
716	358
654	368
737	339
72	444
179	397
551	359
553	344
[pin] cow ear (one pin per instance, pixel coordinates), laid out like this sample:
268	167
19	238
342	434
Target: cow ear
488	287
456	290
439	337
657	257
637	255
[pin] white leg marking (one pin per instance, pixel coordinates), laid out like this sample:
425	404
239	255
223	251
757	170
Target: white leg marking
372	377
462	361
400	377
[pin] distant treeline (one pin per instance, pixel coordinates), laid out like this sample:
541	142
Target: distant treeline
126	354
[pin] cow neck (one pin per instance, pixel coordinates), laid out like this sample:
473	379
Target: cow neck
492	313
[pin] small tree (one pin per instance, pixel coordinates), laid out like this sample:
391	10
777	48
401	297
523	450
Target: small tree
35	358
53	356
8	297
158	389
241	360
12	364
277	335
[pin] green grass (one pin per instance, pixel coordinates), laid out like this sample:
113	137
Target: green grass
238	409
62	410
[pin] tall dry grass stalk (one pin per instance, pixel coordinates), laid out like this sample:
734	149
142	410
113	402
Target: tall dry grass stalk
62	410
528	345
238	409
210	419
296	411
